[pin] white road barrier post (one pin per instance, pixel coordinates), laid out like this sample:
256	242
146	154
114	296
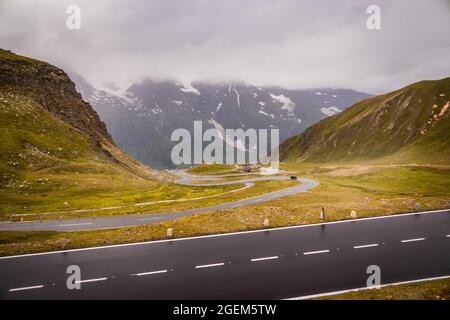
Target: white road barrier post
353	214
266	223
169	232
417	206
322	213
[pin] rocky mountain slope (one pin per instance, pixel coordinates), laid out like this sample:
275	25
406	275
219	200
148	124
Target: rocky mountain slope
46	126
142	119
408	125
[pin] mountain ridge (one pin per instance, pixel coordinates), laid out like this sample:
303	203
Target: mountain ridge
141	120
407	125
56	114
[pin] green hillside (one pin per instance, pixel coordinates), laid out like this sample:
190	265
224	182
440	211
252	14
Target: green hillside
410	125
57	158
55	151
43	116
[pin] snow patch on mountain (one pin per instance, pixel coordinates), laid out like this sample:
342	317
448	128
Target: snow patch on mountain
188	88
266	114
238	98
222	134
287	102
331	111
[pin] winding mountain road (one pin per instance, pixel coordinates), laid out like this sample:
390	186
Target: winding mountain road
102	222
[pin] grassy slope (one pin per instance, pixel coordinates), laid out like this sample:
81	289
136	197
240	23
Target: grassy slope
368	190
47	164
410	125
5	54
211	169
427	290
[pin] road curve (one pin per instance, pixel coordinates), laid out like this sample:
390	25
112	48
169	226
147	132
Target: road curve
102	222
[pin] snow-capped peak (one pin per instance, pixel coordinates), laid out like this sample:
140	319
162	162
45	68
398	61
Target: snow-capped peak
187	87
287	102
331	111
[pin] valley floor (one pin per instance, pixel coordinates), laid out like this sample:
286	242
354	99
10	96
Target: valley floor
367	190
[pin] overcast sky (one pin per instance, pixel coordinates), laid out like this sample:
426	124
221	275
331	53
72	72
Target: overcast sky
290	43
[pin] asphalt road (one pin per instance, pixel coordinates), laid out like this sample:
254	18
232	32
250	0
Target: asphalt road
276	264
101	222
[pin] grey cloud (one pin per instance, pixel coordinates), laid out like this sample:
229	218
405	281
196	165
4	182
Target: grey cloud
291	43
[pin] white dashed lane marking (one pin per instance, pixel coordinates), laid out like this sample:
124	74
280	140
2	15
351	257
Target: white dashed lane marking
91	280
265	258
315	252
75	224
26	288
149	273
147	219
210	265
366	246
412	240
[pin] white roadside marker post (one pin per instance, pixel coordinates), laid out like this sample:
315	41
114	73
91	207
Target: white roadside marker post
266	223
169	232
353	214
322	213
417	206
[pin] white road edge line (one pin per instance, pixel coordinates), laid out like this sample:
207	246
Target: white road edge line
26	288
153	218
366	246
399	216
210	265
412	240
315	252
91	280
265	258
325	294
75	224
148	273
